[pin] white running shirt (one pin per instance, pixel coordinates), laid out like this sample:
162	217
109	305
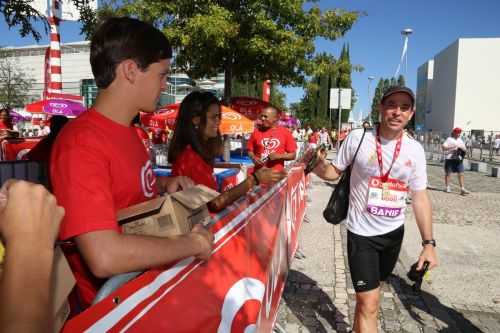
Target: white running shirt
409	170
451	153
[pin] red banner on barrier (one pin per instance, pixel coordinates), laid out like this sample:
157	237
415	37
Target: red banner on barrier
237	290
15	149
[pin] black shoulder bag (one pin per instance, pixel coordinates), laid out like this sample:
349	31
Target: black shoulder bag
336	209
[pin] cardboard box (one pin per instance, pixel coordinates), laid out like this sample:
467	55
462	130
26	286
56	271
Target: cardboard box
62	282
170	215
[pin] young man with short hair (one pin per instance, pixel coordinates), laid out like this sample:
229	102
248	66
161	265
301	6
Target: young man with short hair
389	164
99	165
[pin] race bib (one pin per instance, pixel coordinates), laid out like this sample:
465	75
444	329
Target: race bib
386	199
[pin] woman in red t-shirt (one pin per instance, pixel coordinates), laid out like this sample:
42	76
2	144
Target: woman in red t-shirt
197	141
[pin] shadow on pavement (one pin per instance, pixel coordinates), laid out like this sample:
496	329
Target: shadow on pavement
426	302
312	306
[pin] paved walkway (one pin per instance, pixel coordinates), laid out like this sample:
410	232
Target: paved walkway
458	297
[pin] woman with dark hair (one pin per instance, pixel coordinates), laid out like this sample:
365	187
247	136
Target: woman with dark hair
5	120
197	141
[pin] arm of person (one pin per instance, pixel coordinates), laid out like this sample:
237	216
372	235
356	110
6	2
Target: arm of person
263	175
283	157
447	145
29	232
256	161
108	252
326	170
170	184
422	209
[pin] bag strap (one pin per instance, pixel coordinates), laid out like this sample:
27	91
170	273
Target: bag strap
359	145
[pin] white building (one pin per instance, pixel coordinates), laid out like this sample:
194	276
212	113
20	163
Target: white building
77	77
460	87
74	61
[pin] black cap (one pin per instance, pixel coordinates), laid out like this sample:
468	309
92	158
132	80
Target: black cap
399	89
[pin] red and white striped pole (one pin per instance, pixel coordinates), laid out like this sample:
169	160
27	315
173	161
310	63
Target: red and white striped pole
55	84
266	90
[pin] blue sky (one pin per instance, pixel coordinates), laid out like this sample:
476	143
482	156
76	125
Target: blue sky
375	40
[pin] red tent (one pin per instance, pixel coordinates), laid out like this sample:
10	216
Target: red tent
248	106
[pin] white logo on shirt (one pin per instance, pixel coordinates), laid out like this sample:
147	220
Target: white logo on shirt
148	180
270	143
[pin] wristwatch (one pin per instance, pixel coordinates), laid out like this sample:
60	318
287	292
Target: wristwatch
429	241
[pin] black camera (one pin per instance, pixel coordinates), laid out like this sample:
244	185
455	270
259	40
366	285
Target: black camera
417	276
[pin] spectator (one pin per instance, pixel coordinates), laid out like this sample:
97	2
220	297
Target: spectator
41	152
454	149
5	119
313	139
271	145
29	232
6	126
497	144
324	138
99	165
197	141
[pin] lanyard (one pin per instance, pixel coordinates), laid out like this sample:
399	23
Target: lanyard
385	177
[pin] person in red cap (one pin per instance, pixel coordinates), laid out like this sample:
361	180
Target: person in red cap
454	149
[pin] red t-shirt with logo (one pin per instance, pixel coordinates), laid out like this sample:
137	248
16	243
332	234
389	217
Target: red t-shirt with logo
97	167
190	164
314	138
273	140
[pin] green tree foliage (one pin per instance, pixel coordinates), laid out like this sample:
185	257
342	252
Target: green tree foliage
14	83
401	80
254	89
253	40
330	73
21	14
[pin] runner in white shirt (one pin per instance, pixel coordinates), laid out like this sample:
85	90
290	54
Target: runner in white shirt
389	164
497	145
324	138
454	150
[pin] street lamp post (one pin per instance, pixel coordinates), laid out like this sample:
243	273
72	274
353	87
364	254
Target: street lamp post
370	79
404	55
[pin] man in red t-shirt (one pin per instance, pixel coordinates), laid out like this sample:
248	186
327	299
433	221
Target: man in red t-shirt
271	145
99	165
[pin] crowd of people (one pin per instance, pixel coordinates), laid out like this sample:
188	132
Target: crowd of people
98	165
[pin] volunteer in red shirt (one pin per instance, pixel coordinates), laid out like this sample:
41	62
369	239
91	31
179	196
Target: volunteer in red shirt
271	145
99	165
197	141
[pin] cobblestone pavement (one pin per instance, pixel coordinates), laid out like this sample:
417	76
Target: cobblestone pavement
319	296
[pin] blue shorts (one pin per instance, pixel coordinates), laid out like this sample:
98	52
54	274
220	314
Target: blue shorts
453	166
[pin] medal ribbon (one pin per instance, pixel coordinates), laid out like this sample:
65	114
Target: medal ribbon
385	177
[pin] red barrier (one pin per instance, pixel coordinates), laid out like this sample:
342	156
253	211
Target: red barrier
237	290
15	149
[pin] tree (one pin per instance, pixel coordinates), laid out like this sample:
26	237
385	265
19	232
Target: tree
252	39
330	73
14	83
20	13
401	80
278	98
